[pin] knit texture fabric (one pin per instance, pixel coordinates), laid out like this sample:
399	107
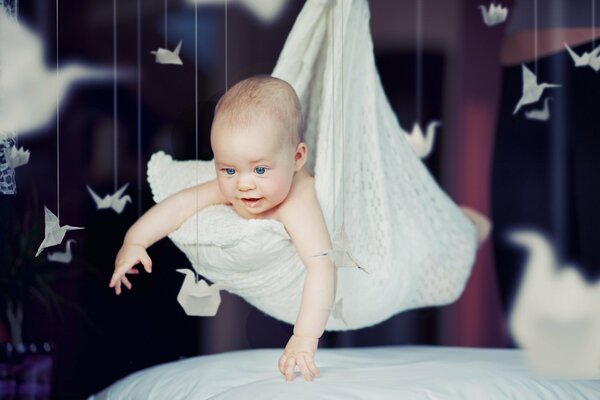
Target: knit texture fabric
415	245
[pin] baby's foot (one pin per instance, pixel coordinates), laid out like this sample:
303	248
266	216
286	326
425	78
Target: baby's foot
481	222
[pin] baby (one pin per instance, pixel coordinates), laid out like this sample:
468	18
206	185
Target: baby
259	158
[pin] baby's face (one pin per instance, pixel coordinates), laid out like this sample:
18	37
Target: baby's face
255	165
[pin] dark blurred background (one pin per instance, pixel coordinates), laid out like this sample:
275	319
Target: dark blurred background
106	337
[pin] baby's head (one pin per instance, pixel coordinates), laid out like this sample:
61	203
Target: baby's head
256	140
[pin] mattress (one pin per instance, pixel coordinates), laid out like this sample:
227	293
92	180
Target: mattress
399	372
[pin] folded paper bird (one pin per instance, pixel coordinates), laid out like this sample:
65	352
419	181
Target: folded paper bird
422	144
494	14
16	157
532	91
54	233
165	56
115	201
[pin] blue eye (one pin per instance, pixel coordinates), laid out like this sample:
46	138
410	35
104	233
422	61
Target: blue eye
260	170
229	171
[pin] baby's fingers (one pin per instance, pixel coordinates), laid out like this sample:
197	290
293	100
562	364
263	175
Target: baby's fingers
312	367
146	262
289	369
126	282
281	364
304	369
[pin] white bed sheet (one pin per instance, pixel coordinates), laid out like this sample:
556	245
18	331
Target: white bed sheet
400	372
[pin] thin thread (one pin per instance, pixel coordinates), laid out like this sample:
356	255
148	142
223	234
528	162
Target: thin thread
535	36
139	108
197	277
166	27
115	106
57	125
593	24
419	61
343	112
226	40
332	31
16	13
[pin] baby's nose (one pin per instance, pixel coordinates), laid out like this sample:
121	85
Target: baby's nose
245	184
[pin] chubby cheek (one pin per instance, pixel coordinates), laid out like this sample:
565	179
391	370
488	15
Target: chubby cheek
227	188
276	190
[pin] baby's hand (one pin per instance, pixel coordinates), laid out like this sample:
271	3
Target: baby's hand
128	256
300	351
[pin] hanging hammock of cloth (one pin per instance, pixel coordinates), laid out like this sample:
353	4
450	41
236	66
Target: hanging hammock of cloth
415	246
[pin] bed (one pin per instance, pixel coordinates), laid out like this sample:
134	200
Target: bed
399	372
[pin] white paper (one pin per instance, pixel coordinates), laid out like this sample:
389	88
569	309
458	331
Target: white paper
16	157
532	91
54	233
198	299
494	14
540	115
64	257
265	11
556	314
165	56
339	254
115	201
338	311
422	144
586	59
28	86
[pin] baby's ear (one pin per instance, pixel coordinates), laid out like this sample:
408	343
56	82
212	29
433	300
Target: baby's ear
300	156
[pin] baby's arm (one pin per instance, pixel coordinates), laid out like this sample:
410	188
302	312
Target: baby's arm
158	222
303	219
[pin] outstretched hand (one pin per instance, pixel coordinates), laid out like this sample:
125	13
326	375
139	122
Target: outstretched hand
299	351
129	255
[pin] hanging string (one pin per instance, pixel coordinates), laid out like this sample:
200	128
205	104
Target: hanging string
166	28
57	125
16	14
226	52
535	36
332	40
343	110
419	61
197	277
139	107
593	24
115	104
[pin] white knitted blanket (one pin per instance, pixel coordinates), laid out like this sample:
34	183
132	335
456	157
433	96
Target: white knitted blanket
416	245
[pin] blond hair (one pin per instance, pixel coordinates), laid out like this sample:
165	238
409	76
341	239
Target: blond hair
259	97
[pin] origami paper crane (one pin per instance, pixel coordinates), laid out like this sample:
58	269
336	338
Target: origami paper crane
493	15
198	299
586	59
422	144
64	257
115	201
339	254
337	311
265	11
555	317
29	88
165	56
16	157
54	233
540	115
532	91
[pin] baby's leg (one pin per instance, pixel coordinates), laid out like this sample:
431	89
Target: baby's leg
481	222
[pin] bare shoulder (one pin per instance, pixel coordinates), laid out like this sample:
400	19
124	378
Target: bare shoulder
302	196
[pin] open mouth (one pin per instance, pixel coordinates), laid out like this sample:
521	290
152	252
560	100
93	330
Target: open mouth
251	202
